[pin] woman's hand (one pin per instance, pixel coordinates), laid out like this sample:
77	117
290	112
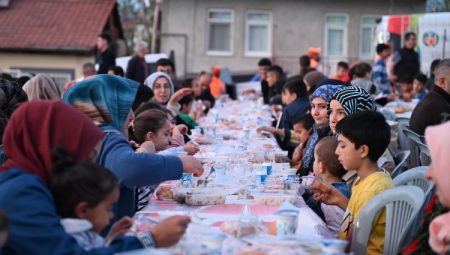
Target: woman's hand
177	96
192	165
169	231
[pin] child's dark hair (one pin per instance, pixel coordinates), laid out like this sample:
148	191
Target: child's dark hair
382	47
117	70
143	95
150	120
362	69
366	128
295	86
74	182
343	65
144	107
276	69
422	78
325	151
265	62
187	83
4	222
306	120
186	100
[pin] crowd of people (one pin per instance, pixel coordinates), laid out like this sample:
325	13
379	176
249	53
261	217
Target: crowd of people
77	163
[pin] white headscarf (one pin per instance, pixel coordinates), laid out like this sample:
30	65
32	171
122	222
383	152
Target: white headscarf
150	81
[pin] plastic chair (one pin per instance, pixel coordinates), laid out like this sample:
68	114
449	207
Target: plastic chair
424	155
412	140
401	204
402	123
400	161
415	177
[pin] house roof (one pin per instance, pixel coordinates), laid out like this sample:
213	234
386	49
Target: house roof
53	25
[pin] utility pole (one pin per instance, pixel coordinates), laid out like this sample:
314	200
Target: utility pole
155	32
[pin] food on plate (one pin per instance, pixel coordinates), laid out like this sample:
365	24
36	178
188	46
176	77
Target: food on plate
204	198
268	146
165	193
273	199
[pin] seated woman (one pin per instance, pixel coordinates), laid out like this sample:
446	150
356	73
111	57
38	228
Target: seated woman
42	87
348	101
34	131
107	100
164	91
321	129
11	96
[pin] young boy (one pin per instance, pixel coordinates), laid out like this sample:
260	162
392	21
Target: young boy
362	77
341	72
362	137
303	128
419	86
184	117
296	104
380	75
328	168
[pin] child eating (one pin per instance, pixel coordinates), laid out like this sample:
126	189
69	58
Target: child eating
328	169
362	139
85	194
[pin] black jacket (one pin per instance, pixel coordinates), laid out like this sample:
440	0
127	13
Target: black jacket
105	60
432	110
136	69
408	66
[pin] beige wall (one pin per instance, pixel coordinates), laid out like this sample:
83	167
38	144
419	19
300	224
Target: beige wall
8	60
297	25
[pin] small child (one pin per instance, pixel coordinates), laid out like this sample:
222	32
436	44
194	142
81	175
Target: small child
296	104
184	117
328	168
362	76
362	138
341	72
303	128
4	226
419	86
85	194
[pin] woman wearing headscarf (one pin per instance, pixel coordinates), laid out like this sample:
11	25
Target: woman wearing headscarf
319	101
437	138
312	79
42	87
11	96
107	100
164	91
34	131
348	101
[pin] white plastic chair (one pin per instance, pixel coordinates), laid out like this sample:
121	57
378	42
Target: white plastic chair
415	177
401	204
400	161
424	156
412	140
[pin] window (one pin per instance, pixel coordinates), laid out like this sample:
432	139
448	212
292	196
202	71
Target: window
258	33
220	34
336	35
367	37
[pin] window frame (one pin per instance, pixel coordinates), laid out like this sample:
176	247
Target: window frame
374	29
210	21
248	23
344	27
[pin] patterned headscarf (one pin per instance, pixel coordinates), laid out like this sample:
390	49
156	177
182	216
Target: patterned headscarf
354	99
326	91
105	98
11	96
42	87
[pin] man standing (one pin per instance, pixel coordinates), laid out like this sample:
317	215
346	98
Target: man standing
406	62
435	107
105	56
137	68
